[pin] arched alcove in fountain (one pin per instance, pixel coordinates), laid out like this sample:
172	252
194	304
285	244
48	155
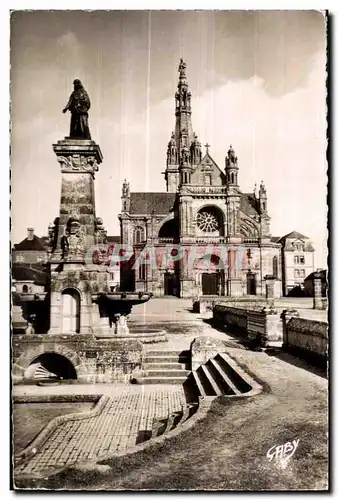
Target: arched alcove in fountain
50	364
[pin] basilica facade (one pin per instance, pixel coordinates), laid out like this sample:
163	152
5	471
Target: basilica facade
202	236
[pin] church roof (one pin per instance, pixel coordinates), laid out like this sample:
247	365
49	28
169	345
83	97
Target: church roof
294	235
114	239
147	203
34	244
35	273
248	204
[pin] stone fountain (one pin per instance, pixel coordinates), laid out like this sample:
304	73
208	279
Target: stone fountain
87	322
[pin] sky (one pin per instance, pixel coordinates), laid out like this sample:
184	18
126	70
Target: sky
258	82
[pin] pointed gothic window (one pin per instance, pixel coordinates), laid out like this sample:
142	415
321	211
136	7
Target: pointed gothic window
138	235
207	179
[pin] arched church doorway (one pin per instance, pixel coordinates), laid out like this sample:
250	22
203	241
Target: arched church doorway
171	284
50	365
70	311
210	275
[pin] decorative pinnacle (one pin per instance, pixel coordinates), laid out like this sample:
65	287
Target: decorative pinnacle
182	67
207	146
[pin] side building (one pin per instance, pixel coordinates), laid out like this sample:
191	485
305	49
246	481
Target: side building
297	260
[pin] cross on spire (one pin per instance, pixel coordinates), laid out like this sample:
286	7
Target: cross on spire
207	146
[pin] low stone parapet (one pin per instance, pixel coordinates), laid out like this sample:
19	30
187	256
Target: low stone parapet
306	338
260	325
202	304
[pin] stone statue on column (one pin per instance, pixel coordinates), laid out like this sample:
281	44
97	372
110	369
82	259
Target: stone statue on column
78	105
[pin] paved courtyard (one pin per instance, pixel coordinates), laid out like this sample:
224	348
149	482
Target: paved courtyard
129	412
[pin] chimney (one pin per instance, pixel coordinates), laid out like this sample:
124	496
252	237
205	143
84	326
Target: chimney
30	233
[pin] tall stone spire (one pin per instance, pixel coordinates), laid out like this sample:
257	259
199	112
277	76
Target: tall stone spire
184	148
183	130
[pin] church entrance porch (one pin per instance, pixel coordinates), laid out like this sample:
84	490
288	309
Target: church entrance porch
209	275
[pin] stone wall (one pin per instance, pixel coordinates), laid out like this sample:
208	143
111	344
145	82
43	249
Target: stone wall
203	349
258	323
306	338
95	361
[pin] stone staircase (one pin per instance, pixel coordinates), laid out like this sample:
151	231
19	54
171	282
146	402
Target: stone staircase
221	375
165	367
162	425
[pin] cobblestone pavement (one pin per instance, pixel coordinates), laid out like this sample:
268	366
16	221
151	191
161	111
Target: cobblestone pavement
127	414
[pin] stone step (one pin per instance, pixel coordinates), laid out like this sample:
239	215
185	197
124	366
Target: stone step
234	372
208	375
161	380
165	359
167	373
151	352
164	366
231	386
198	382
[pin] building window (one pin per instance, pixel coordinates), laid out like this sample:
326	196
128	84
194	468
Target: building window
299	273
275	267
25	289
207	179
142	272
298	247
299	259
138	235
19	258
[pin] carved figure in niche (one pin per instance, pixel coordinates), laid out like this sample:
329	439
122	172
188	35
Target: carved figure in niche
185	154
101	233
172	149
72	243
78	105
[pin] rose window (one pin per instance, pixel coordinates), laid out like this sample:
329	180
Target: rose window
207	221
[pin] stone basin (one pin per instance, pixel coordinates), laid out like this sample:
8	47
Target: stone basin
120	302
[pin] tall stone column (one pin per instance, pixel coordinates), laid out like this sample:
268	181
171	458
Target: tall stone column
270	289
74	274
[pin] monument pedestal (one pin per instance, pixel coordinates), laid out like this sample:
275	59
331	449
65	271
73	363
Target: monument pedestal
72	240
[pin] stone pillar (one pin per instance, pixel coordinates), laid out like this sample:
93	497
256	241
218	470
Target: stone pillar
270	289
234	283
286	315
76	234
317	290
